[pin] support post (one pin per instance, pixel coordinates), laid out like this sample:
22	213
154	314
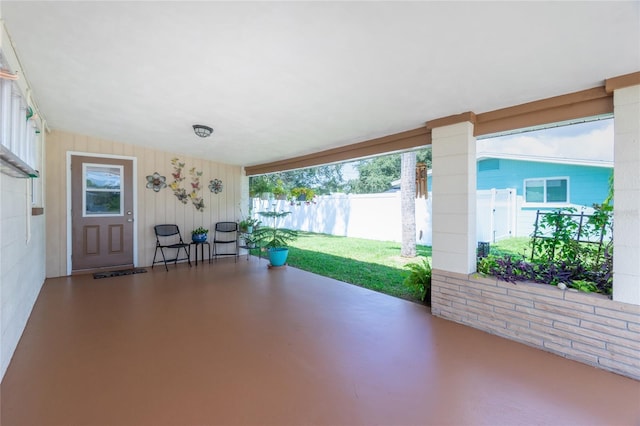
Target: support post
454	198
626	205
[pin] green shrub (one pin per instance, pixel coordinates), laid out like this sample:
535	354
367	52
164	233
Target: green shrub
487	265
568	248
419	279
583	285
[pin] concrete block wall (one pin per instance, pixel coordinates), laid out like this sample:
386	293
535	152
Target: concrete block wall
589	328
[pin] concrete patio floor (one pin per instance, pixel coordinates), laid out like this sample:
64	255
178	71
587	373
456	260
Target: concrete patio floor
235	343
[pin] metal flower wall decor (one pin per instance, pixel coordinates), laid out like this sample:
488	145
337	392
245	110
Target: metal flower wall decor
215	186
156	182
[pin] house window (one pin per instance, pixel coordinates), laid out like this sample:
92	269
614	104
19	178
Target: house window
546	190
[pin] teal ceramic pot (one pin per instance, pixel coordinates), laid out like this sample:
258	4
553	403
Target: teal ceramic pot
278	256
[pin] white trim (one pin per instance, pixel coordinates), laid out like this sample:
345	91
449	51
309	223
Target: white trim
487	155
134	176
547	206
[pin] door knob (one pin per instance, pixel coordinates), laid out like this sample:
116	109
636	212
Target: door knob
129	220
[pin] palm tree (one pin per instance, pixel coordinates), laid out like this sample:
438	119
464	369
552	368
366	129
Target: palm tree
408	203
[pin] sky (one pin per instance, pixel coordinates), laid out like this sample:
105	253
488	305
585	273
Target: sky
592	140
586	141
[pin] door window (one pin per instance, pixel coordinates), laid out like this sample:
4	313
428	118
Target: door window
103	192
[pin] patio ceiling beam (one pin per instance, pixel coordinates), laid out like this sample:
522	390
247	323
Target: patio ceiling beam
586	103
396	142
622	81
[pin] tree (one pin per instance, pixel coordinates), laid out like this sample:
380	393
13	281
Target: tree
408	204
376	174
322	179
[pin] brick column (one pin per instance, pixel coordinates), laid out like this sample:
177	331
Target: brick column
454	198
626	210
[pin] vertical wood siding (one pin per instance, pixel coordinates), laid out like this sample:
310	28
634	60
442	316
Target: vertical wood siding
152	207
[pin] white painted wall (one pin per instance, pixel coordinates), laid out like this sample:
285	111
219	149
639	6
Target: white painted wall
22	262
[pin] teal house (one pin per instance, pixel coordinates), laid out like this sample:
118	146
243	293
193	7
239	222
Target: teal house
517	186
512	188
546	183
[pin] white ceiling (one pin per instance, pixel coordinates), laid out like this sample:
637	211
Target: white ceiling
278	80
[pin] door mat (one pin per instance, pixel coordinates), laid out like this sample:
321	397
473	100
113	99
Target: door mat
119	273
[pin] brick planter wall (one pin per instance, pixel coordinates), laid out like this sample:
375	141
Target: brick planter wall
589	328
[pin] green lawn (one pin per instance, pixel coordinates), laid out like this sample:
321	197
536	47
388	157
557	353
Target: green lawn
513	246
375	265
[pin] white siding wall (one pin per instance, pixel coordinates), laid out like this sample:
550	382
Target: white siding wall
22	262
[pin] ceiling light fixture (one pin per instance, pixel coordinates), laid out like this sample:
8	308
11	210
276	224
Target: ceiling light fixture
202	131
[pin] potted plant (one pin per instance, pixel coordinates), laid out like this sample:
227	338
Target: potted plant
302	194
274	239
279	192
248	224
261	187
199	235
249	241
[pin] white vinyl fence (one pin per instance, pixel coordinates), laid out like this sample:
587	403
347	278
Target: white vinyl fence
496	214
378	216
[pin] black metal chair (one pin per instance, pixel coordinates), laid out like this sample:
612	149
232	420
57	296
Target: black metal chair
168	237
225	234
